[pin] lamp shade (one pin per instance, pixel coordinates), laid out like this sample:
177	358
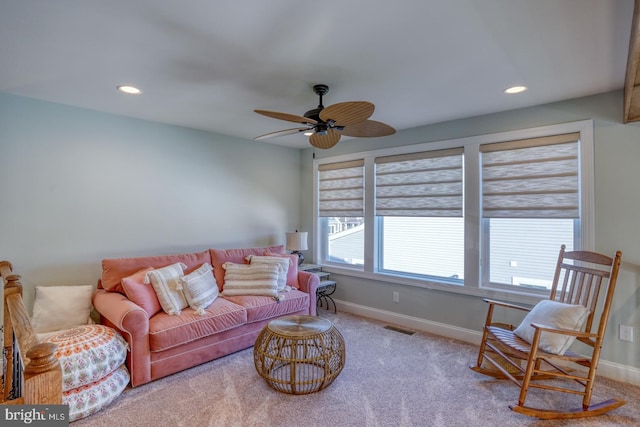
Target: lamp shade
297	241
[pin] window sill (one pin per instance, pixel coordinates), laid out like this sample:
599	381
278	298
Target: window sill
500	293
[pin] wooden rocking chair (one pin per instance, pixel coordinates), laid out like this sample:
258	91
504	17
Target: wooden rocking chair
550	327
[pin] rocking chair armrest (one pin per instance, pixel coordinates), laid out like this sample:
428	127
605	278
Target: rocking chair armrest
546	328
506	304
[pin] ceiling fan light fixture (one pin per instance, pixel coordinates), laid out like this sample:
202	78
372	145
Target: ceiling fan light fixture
308	133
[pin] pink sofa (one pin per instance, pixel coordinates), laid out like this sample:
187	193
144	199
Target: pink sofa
161	345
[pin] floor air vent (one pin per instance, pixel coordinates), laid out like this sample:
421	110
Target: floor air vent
402	331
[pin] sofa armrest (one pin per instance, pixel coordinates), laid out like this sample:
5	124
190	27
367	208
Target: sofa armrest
117	311
309	283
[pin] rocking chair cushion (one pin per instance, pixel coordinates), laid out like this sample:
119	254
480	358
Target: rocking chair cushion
554	314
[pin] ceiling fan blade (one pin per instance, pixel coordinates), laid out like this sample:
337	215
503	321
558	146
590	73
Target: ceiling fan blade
347	113
281	133
368	129
325	141
288	117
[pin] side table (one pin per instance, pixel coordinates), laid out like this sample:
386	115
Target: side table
299	354
326	288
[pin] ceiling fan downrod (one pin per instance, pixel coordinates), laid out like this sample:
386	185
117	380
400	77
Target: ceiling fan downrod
322	126
314	114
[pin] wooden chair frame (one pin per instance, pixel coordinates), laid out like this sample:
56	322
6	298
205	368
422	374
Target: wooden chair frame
581	277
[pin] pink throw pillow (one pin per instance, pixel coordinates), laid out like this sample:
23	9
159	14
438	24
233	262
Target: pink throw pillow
292	273
141	293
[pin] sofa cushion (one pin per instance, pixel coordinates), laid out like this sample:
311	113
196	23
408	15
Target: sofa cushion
261	308
166	282
220	256
292	272
200	288
166	331
114	269
140	292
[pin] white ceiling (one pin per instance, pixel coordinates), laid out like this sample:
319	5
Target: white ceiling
207	64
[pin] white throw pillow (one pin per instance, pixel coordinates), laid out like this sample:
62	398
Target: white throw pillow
282	263
554	314
256	279
166	283
200	288
61	307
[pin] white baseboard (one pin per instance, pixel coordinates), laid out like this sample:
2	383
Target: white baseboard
612	370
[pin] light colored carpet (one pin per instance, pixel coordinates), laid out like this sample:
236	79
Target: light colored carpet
389	379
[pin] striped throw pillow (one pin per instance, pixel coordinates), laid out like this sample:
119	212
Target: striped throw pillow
200	288
247	279
282	263
166	283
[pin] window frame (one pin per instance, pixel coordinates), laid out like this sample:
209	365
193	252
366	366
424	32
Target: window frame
473	262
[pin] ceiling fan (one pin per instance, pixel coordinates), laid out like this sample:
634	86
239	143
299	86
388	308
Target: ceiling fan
326	125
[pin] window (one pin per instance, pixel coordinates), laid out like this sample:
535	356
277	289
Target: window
341	207
419	212
530	206
474	215
423	246
522	251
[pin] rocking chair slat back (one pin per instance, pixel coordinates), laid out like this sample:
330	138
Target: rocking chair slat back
582	282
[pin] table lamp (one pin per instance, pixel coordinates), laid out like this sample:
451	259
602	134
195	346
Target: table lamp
296	242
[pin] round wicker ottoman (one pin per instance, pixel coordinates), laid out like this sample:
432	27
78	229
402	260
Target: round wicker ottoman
299	354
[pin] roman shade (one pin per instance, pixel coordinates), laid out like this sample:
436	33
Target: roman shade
424	184
531	178
341	189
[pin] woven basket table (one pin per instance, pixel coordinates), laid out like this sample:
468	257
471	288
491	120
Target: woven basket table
299	354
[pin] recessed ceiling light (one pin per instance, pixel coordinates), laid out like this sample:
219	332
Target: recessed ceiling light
515	89
131	90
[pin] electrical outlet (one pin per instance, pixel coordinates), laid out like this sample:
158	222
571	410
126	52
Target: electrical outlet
396	297
625	333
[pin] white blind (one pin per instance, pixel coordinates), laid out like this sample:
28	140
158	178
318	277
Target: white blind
533	178
426	184
341	189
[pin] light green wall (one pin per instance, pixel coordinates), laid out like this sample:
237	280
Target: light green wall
79	186
617	224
